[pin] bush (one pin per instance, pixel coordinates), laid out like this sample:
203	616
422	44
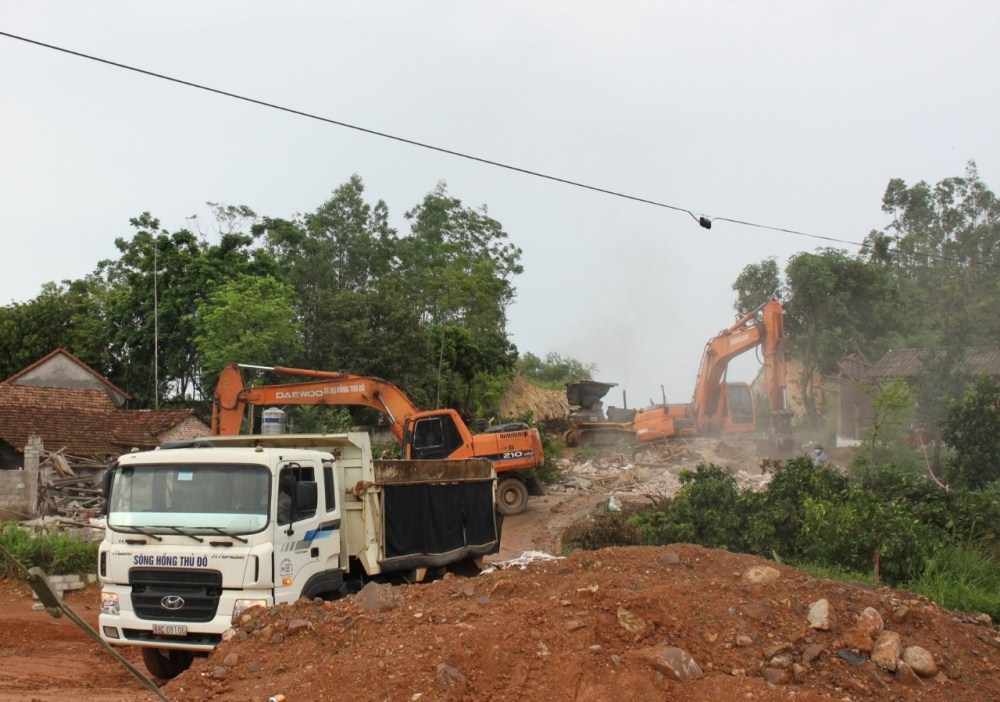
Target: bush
962	578
56	553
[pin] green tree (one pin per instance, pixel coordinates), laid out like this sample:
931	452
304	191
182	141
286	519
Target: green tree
942	245
837	303
756	284
972	430
554	371
67	315
155	287
248	319
457	268
339	260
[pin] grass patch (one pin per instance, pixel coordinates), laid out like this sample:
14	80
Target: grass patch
962	578
56	553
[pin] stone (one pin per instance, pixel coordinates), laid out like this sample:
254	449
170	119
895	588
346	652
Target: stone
674	663
232	660
376	598
777	676
870	622
920	661
756	610
761	575
819	615
297	625
887	649
449	676
630	622
812	652
670	558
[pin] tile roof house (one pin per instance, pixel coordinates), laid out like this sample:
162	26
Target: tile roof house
854	406
76	410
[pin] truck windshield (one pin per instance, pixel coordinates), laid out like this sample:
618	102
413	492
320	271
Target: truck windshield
206	498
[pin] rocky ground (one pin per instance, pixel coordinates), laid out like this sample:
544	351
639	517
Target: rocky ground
673	623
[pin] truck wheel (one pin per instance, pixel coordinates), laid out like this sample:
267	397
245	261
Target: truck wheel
512	496
166	663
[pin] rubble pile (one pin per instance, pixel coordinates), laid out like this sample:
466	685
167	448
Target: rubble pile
70	486
651	473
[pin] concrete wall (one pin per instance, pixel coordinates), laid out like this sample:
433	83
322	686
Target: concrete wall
19	488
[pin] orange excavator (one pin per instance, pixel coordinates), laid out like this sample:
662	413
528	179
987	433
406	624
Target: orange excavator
514	448
717	407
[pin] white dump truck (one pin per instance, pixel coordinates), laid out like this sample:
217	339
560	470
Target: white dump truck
197	534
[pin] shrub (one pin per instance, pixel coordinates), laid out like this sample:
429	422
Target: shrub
56	553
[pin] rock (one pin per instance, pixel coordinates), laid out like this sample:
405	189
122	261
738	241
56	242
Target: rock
743	641
856	639
887	649
376	598
761	575
777	676
449	676
630	622
870	622
232	660
297	625
673	662
819	615
920	661
756	610
812	652
899	615
776	649
220	672
670	558
851	657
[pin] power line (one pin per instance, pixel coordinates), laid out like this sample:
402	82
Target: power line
703	221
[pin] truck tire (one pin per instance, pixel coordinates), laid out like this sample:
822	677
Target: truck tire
512	496
166	663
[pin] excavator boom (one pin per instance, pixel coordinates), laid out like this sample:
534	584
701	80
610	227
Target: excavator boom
423	435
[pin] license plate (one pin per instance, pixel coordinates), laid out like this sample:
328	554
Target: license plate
170	629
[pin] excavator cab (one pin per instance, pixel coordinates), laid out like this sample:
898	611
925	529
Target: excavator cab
430	438
741	407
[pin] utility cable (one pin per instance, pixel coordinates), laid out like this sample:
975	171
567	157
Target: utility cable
702	220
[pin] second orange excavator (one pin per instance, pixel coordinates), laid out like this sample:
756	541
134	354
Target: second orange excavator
514	448
717	406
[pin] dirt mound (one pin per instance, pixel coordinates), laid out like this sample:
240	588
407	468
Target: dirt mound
614	623
523	397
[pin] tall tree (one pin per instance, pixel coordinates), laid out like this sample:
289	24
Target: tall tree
339	260
836	303
155	288
458	266
942	244
67	315
756	284
248	319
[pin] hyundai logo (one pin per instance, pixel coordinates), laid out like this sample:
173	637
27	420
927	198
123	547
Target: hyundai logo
172	602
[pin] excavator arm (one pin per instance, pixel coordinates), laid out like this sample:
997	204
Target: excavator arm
232	397
713	402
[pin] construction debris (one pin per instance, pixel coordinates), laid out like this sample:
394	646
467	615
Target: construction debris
70	486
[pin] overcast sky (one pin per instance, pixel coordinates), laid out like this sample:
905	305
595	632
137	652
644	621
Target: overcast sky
783	113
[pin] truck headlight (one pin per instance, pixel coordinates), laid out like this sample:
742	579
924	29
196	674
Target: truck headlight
243	605
109	603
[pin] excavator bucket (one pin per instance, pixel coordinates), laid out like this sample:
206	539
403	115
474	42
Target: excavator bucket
587	393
